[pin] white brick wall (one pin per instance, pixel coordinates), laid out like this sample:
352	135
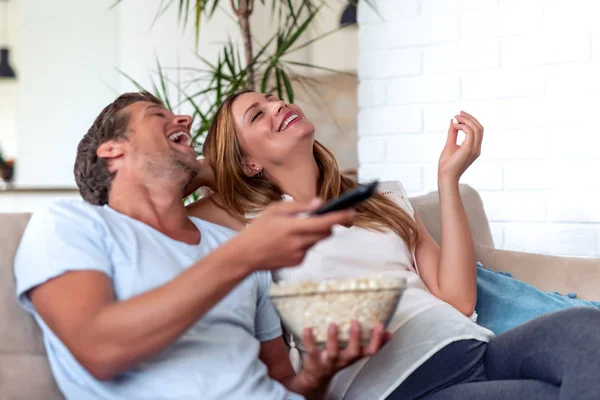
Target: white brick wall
529	70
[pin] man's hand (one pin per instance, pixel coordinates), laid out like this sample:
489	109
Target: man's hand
280	237
321	365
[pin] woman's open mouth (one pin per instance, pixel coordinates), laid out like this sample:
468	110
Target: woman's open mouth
289	119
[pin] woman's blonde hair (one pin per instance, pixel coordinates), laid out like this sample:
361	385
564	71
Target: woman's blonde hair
240	194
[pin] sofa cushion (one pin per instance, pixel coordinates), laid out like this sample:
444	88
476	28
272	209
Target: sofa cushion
428	207
504	302
27	377
548	273
24	370
19	332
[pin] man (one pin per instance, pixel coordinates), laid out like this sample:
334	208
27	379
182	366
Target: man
137	300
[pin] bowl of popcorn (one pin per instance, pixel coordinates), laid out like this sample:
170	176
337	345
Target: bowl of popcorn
311	304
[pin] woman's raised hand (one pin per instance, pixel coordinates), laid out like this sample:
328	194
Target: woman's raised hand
455	159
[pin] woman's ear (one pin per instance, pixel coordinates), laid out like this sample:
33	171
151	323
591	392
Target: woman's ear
251	168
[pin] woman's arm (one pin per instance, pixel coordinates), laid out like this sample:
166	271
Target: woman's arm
449	272
207	209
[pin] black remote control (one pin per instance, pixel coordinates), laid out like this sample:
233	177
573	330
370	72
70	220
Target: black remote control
349	199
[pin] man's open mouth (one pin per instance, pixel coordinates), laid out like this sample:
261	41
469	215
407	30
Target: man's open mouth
182	138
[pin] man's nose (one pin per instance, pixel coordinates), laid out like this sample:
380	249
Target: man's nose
185	120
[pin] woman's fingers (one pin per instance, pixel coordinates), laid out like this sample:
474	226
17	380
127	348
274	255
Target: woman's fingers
464	121
469	143
469	120
452	133
466	114
473	137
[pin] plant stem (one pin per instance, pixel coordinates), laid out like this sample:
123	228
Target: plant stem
243	13
245	24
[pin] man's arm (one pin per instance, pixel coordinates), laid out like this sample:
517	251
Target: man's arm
109	337
274	353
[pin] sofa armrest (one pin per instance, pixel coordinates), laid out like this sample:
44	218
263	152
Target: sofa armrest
547	273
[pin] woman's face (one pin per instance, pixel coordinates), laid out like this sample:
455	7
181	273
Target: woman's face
269	130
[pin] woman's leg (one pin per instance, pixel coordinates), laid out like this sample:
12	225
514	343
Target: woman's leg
457	372
497	390
460	361
562	349
556	356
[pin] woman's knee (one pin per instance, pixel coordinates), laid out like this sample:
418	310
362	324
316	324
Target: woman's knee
578	313
574	318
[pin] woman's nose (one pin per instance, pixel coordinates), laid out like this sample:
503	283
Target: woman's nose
278	107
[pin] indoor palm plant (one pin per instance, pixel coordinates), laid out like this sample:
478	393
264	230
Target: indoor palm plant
260	66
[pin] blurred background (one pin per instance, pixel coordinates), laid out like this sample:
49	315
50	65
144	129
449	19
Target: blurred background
382	91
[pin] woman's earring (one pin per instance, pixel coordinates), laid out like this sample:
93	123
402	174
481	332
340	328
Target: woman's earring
259	174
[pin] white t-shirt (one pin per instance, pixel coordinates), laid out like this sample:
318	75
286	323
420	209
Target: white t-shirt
422	323
215	359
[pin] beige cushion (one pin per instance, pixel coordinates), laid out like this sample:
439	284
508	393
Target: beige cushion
547	273
18	332
24	370
428	207
26	377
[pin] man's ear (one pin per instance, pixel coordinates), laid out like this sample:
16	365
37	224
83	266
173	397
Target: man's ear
110	150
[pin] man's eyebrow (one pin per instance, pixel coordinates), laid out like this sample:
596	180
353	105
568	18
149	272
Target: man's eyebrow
153	106
267	96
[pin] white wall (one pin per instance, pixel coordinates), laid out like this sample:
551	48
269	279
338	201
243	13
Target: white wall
339	50
68	49
143	38
528	70
66	53
8	87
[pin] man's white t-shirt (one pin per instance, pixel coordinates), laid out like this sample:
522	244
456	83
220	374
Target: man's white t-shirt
216	358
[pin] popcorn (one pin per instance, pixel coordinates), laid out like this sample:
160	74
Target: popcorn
367	300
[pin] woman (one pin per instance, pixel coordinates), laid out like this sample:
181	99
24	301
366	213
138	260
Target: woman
263	150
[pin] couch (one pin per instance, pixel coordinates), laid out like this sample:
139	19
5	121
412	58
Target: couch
24	369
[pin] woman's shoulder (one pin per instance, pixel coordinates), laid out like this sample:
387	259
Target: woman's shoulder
387	187
207	209
395	191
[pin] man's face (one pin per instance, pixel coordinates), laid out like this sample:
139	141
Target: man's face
159	143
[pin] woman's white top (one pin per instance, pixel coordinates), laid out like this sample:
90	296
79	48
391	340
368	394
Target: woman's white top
421	325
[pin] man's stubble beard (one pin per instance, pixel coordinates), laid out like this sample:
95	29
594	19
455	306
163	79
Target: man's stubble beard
172	167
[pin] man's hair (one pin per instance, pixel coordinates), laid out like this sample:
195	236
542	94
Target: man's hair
92	175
